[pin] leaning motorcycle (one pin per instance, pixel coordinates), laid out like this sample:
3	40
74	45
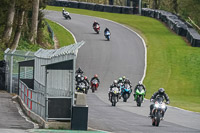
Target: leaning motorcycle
139	95
158	111
66	15
94	85
107	35
126	92
97	28
114	96
81	87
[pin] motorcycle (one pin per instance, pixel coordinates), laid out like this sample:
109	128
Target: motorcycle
158	111
97	28
114	96
81	87
66	15
94	85
107	35
139	96
125	92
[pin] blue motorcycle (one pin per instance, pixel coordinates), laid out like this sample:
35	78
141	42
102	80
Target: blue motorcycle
126	92
107	35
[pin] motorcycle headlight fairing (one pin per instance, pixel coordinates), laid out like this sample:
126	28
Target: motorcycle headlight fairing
163	106
156	105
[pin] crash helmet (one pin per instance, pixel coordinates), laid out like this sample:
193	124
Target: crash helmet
161	91
120	79
96	76
95	21
123	77
115	82
140	83
126	81
63	9
85	77
79	69
79	75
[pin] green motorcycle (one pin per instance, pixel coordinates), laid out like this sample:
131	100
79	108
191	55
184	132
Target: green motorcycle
139	95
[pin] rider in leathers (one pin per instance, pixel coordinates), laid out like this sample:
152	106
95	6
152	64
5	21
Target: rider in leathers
82	80
87	81
95	77
139	85
112	86
159	93
79	74
95	23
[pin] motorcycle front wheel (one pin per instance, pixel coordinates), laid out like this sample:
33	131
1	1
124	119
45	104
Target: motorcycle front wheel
139	101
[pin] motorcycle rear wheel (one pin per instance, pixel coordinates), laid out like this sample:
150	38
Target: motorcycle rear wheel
93	89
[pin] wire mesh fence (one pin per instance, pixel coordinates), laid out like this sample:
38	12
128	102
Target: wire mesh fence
12	58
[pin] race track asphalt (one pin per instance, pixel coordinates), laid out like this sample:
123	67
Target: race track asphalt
123	55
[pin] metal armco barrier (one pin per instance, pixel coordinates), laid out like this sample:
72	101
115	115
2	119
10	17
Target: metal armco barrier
175	23
97	7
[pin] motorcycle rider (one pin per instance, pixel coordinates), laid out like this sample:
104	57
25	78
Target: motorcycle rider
121	85
137	86
114	84
123	78
160	93
95	23
106	30
95	77
79	74
87	81
120	81
79	71
127	81
81	81
65	13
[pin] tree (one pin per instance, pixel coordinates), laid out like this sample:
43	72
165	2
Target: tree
156	4
175	6
9	24
34	24
18	31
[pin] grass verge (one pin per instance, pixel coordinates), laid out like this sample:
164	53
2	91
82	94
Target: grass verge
63	36
172	64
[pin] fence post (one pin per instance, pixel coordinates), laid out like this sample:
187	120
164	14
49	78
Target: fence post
46	97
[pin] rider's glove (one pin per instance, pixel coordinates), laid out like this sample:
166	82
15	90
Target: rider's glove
151	100
167	102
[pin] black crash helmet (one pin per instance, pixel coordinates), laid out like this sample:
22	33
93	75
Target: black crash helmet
161	91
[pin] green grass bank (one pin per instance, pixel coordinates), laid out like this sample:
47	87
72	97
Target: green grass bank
63	36
171	63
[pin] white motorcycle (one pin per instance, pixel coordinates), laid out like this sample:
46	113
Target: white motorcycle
66	15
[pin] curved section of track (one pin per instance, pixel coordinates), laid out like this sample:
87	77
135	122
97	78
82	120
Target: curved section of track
123	55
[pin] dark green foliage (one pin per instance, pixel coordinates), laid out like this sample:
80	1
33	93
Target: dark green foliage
22	5
183	8
24	44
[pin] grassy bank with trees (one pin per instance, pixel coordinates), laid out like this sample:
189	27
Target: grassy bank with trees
171	62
